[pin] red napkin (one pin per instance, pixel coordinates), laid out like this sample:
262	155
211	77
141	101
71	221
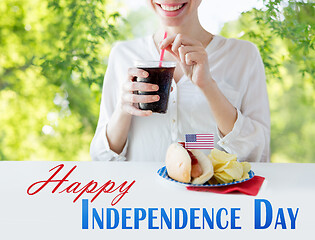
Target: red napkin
250	187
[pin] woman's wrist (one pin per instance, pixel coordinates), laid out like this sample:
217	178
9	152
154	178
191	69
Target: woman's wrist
121	113
117	129
224	112
208	85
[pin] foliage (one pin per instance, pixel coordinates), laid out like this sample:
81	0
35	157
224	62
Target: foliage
141	22
52	65
294	23
285	38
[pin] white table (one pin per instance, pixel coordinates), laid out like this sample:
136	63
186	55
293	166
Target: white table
55	216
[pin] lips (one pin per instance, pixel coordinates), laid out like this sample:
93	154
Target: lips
171	10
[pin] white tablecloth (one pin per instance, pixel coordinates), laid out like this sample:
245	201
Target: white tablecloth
55	216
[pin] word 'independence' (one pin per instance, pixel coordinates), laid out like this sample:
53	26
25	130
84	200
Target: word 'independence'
181	218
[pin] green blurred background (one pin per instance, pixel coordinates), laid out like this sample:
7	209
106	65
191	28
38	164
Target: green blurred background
53	56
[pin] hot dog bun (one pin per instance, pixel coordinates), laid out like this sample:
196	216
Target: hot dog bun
178	164
206	166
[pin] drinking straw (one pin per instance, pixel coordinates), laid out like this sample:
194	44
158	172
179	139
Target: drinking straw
162	51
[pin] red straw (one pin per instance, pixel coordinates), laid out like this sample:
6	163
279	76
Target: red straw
162	51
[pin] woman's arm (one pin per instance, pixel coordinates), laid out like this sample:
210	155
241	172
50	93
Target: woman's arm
244	131
118	107
117	130
224	112
193	59
250	137
119	124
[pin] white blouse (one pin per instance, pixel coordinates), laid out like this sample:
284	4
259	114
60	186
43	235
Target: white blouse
238	70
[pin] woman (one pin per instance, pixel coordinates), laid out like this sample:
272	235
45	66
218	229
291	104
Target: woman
218	87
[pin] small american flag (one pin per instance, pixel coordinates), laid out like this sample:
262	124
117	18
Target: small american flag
199	141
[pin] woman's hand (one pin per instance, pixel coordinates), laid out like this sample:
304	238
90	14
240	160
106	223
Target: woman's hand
119	124
192	57
129	98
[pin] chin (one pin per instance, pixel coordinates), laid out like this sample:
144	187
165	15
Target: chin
172	22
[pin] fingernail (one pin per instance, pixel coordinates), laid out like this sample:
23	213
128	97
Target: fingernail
155	87
155	98
145	74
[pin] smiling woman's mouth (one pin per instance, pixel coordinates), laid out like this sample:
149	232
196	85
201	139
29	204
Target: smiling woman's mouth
171	8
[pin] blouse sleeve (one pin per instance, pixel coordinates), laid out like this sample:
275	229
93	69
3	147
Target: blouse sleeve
250	136
100	149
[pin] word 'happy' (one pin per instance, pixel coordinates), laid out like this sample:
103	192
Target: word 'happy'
78	188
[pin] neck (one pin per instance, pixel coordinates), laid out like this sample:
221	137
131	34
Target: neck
191	28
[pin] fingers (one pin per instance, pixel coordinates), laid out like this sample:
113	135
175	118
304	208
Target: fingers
135	111
167	41
140	86
129	99
192	54
136	72
193	58
135	98
169	49
188	53
183	48
178	40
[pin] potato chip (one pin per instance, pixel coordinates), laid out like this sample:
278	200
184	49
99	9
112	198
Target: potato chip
221	166
223	177
226	167
246	168
234	169
222	156
220	159
245	176
213	181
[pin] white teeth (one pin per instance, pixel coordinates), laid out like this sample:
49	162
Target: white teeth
171	8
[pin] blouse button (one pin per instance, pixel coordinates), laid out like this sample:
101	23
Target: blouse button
174	120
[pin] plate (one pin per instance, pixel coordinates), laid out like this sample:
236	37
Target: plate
163	173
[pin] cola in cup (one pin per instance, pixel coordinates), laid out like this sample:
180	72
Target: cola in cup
161	74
